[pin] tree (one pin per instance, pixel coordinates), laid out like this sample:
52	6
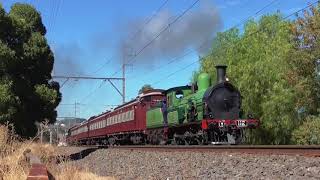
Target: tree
302	74
145	88
26	62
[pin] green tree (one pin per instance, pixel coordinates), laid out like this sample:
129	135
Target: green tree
145	88
302	74
26	62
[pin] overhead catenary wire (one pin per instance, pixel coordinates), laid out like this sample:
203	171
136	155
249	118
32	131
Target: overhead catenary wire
64	82
55	15
103	65
52	15
150	19
92	92
255	14
164	29
176	59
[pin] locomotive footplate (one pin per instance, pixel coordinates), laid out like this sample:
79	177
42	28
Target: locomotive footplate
227	131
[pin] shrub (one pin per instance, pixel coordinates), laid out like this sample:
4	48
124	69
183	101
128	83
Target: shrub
308	133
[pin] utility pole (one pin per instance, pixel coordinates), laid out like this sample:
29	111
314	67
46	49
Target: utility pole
50	131
75	109
41	133
124	64
123	82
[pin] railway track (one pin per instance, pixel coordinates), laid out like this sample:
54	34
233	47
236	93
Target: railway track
195	162
312	151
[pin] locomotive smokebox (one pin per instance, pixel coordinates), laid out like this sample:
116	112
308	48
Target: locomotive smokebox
221	73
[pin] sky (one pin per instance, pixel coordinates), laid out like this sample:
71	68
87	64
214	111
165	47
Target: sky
93	38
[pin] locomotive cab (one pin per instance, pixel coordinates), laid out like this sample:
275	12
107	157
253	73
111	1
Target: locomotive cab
176	95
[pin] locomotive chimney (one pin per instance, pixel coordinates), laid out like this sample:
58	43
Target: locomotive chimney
221	73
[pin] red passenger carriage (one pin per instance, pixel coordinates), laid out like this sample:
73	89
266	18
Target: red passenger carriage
126	123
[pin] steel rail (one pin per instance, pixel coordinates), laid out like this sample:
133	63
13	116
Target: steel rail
310	150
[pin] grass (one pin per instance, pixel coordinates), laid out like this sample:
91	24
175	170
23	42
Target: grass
69	172
14	165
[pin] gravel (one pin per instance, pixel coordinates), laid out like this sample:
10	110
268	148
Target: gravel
127	164
66	150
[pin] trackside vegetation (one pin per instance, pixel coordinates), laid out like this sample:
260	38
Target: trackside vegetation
273	63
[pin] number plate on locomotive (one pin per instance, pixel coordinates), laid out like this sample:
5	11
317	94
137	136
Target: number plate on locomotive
241	123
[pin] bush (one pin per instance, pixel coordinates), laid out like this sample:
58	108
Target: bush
308	133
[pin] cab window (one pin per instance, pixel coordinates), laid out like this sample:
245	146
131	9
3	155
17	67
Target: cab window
179	94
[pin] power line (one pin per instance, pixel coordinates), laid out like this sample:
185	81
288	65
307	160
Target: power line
86	77
109	105
52	13
150	19
176	59
164	29
92	92
286	17
56	13
103	65
255	14
64	83
181	69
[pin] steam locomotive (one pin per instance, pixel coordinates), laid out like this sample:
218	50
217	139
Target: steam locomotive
196	114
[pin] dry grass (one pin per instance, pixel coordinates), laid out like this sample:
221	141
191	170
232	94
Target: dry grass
69	172
66	170
14	165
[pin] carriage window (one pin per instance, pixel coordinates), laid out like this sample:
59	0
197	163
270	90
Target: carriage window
179	94
127	116
122	117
